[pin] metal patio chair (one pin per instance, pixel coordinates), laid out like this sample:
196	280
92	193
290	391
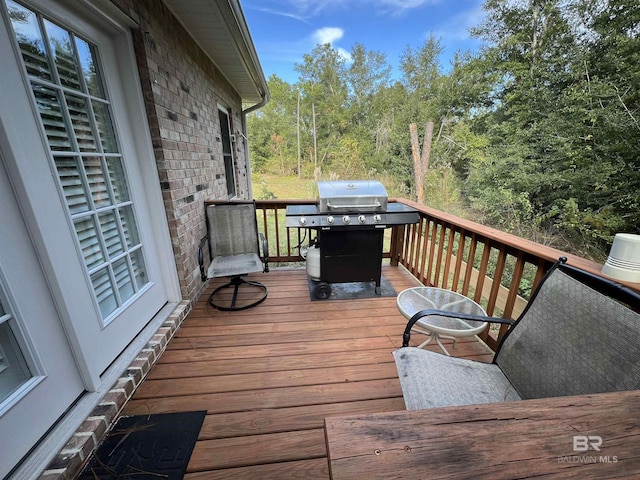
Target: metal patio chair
578	335
233	239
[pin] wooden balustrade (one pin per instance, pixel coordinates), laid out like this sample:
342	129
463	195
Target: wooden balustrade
282	241
496	269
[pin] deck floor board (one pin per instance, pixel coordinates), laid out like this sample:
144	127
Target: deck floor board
268	376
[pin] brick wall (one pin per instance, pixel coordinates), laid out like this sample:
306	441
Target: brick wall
182	89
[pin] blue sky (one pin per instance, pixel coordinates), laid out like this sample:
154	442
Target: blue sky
284	30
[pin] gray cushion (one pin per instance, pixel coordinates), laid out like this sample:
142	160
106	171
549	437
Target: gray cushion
235	265
430	379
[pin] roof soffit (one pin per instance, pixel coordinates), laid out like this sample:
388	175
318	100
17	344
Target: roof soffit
220	29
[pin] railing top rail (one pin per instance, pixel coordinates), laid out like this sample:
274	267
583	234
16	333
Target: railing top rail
304	201
528	247
484	232
285	201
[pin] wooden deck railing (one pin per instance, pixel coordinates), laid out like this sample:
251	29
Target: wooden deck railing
283	242
496	269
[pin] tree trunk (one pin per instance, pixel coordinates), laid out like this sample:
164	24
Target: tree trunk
426	146
420	162
298	132
315	142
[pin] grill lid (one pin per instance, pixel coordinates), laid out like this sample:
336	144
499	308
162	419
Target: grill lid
352	196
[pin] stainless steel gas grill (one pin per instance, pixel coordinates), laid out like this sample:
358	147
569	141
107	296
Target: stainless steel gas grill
349	220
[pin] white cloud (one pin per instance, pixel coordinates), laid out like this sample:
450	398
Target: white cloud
327	35
344	54
281	13
330	35
304	9
398	7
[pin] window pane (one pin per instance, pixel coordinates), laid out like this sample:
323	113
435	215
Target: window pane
13	367
224	131
27	31
129	226
118	180
70	179
63	57
139	270
103	289
79	112
88	62
48	105
109	227
97	182
227	153
229	174
89	242
105	127
123	279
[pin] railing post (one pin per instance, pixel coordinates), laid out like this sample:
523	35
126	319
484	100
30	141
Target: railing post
397	239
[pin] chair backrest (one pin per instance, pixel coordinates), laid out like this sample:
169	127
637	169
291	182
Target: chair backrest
576	336
232	229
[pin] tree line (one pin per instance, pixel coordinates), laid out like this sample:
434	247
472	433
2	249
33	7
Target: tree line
538	132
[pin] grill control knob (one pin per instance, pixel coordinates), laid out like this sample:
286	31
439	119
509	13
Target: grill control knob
303	221
346	219
330	220
362	219
377	218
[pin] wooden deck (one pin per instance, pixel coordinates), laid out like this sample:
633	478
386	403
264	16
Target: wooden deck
269	376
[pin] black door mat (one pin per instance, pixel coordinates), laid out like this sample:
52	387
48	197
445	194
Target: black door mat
146	447
355	290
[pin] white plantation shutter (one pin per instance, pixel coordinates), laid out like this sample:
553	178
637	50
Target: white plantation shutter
80	120
75	113
90	244
52	117
71	182
104	291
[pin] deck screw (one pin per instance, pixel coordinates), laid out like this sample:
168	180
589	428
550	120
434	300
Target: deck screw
377	452
407	448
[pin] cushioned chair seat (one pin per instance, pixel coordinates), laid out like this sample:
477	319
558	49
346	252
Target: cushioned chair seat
234	265
430	379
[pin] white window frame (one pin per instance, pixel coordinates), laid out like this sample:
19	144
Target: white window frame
31	358
234	179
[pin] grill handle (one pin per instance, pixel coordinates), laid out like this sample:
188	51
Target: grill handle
356	206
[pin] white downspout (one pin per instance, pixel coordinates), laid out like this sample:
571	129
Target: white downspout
243	133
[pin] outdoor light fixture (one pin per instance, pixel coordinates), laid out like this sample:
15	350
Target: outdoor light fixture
624	258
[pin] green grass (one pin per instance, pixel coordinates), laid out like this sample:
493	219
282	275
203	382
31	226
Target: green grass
283	188
268	186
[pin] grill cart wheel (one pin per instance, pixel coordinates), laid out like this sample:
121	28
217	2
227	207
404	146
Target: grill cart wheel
322	290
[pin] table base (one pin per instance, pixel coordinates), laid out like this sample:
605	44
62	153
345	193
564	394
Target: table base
435	336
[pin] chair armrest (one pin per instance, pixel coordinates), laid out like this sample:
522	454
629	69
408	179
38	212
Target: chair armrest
203	273
265	251
406	336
